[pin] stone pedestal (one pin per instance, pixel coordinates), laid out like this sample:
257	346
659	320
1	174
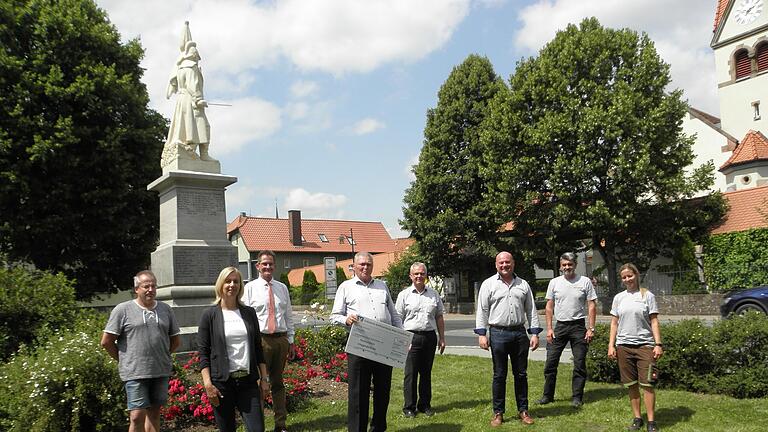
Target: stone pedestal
193	246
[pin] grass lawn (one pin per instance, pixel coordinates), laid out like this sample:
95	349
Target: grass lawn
462	401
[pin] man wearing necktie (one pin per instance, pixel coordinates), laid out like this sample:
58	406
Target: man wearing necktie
272	302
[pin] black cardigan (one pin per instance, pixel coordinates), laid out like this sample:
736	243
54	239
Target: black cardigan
212	344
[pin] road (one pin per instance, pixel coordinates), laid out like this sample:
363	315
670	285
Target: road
460	338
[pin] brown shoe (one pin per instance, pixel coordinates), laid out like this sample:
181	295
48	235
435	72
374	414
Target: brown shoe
498	419
526	418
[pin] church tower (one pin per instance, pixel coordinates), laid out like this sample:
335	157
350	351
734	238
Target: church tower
740	44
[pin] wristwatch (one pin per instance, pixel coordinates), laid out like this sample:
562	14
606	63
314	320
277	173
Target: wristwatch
592	329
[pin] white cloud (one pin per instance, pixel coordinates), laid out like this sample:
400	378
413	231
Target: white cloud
248	119
681	30
409	167
236	37
301	89
366	126
396	232
316	205
315	117
297	110
342	36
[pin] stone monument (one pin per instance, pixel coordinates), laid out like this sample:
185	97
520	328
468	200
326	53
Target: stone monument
193	246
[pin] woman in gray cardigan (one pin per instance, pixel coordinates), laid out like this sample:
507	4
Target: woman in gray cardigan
231	357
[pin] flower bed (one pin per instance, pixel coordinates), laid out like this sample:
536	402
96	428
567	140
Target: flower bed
188	403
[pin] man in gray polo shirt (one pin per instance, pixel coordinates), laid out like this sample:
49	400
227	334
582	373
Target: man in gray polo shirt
567	296
141	334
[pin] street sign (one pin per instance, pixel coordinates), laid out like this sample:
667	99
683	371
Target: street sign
330	277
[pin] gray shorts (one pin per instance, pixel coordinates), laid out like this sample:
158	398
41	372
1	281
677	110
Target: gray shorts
146	393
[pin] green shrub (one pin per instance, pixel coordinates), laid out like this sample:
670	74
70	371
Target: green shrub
737	259
323	342
67	383
341	275
739	349
687	355
32	301
599	366
729	358
284	279
311	290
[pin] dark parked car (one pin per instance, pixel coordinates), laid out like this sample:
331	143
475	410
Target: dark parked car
738	302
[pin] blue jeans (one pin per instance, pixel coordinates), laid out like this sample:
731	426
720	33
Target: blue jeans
145	393
512	344
243	394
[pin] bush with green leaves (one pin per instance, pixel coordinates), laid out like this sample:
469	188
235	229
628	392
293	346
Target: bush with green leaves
32	301
736	259
310	289
67	383
324	342
729	358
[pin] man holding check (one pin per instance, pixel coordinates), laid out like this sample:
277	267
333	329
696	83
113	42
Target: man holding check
364	296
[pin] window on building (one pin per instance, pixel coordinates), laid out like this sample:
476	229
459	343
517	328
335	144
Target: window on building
287	263
302	238
323	238
305	263
762	57
756	110
743	64
351	241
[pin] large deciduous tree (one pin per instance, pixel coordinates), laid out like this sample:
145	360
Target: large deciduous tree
78	144
444	208
589	144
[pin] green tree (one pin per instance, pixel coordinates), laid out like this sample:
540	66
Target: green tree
31	303
445	210
78	145
341	276
284	279
310	288
588	144
398	273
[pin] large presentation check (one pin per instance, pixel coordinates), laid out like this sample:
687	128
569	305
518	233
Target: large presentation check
379	342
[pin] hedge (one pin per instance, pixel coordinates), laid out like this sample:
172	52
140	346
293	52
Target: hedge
729	358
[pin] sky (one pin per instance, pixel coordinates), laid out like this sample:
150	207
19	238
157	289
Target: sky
329	97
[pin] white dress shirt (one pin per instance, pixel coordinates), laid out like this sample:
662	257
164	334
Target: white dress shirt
419	310
256	296
371	300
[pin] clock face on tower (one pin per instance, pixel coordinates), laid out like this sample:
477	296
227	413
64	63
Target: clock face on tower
748	10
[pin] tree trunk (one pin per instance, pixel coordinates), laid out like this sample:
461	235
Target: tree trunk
608	252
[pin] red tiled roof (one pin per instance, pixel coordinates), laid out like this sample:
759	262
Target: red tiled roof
381	263
747	210
753	147
722	5
269	233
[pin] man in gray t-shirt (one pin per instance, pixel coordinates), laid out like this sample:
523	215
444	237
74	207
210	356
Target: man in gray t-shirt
140	335
571	300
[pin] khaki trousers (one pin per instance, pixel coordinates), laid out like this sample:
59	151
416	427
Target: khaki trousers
276	354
